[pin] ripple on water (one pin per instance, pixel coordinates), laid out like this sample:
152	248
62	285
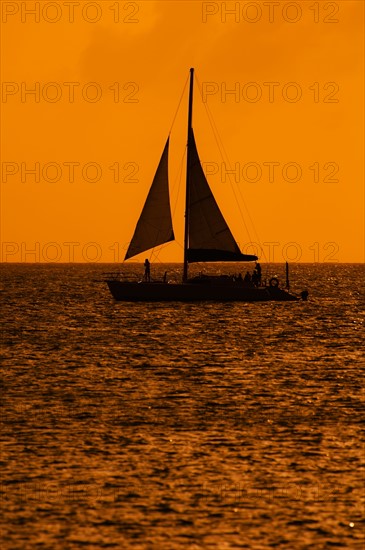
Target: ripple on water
180	425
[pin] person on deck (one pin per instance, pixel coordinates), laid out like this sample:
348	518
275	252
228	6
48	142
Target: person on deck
258	273
147	271
247	278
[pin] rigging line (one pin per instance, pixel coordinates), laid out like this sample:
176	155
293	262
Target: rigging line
224	156
226	159
159	250
153	253
244	204
172	124
240	193
162	247
178	107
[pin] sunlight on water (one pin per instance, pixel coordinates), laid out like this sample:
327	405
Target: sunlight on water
168	426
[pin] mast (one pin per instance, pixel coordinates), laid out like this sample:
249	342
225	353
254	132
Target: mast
188	162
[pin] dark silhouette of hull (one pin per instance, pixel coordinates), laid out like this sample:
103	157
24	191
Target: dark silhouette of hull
195	292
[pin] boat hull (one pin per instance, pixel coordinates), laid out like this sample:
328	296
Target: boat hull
194	292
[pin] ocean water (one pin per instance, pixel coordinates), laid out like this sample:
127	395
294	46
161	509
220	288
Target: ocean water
180	426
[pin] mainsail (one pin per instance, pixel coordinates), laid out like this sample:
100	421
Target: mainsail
210	239
154	226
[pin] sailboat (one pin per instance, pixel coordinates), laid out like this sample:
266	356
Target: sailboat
207	238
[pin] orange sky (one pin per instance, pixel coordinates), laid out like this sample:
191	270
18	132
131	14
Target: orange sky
143	51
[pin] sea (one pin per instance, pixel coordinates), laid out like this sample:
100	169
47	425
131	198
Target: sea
168	426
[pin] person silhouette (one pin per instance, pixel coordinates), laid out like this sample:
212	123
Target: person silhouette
247	279
147	271
258	273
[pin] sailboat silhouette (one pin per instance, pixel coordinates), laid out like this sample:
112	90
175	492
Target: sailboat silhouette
207	238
